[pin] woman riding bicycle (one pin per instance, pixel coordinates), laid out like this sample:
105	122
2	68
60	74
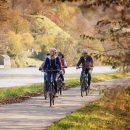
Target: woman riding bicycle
87	64
63	65
52	66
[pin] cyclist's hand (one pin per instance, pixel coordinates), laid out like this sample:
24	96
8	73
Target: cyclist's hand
40	69
91	68
77	67
60	71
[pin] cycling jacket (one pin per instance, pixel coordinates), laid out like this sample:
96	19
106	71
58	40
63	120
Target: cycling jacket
52	64
85	62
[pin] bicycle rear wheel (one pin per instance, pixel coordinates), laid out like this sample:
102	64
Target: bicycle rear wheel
60	90
60	87
51	99
51	95
45	94
87	90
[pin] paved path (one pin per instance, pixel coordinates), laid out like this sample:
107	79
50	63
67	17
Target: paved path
35	114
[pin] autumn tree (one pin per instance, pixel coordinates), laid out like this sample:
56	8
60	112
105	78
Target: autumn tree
18	24
113	31
35	7
3	25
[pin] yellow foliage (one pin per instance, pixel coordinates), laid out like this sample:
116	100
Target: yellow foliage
19	25
67	11
15	45
45	40
27	40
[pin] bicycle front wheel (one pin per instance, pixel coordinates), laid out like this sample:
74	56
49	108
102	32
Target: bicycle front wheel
82	89
51	99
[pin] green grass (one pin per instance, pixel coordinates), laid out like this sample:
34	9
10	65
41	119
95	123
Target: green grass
6	93
100	77
112	112
71	83
19	91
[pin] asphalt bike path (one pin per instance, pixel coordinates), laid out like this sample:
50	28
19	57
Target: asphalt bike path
36	114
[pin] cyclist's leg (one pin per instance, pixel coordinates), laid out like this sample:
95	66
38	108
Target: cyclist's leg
54	77
89	77
45	81
62	77
81	75
48	79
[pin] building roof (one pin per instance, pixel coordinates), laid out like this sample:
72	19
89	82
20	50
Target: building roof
5	56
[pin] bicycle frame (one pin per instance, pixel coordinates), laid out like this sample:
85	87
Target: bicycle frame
84	84
84	78
59	84
51	87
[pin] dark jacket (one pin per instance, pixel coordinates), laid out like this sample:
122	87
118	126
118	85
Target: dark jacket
50	64
85	62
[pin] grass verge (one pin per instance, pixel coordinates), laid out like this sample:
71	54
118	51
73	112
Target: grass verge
112	112
101	77
18	94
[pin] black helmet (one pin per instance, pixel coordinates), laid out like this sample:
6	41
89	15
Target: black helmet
61	54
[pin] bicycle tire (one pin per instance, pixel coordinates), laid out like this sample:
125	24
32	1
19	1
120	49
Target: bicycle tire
45	95
60	90
87	91
60	87
50	99
51	95
53	100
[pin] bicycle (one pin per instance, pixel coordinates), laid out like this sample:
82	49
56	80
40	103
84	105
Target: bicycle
51	88
84	84
60	84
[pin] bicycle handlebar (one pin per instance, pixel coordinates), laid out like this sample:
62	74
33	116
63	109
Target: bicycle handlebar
81	67
51	70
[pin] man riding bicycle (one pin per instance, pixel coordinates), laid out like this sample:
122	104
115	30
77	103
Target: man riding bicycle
87	64
52	63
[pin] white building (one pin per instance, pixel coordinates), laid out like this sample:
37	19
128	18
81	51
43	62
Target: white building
5	61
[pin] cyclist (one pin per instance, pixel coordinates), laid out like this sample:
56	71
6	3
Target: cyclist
52	62
45	75
87	64
63	65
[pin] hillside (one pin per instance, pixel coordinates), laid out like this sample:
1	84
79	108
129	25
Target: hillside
32	30
39	34
35	26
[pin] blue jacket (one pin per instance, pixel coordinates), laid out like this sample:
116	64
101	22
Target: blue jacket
52	64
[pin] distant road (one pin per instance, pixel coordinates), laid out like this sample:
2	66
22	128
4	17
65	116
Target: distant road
26	76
